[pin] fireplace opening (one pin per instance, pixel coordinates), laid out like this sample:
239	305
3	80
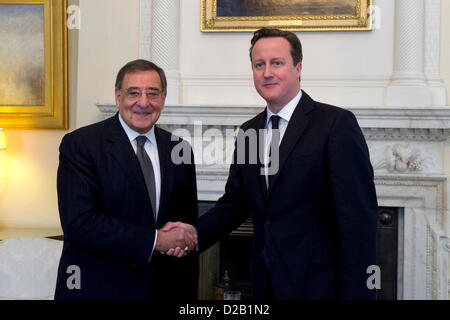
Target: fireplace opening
387	252
226	265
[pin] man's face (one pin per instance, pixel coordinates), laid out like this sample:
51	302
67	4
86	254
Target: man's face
140	100
275	77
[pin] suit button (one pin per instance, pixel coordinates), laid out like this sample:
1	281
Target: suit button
268	221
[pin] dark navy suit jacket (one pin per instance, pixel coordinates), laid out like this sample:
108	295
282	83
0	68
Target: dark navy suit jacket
317	222
109	227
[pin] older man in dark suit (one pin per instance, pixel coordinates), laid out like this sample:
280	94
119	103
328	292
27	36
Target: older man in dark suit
117	185
313	203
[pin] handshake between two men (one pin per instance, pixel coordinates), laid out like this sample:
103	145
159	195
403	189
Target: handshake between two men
176	239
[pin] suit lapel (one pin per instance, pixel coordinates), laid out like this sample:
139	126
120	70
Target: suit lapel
296	126
122	151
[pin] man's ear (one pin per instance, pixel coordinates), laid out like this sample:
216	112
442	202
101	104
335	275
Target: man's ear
299	69
117	95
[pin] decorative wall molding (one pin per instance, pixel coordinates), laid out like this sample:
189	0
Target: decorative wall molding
432	38
406	156
408	85
307	80
145	11
338	89
158	39
403	158
401	122
432	51
417	134
165	33
409	43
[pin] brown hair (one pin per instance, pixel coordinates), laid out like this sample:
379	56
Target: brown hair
141	65
294	41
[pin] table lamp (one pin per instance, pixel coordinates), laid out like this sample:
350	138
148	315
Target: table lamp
2	140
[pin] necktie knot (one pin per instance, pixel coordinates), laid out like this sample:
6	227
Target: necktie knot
275	121
141	140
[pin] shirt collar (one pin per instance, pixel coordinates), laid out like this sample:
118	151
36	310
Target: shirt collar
132	135
287	111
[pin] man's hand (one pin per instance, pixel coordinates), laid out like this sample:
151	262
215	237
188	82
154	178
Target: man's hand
176	239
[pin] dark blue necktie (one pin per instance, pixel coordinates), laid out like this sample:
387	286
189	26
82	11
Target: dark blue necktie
275	121
275	134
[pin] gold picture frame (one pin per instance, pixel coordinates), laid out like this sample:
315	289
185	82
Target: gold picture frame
33	94
304	15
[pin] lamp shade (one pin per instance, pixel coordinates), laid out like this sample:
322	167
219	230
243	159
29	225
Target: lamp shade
2	140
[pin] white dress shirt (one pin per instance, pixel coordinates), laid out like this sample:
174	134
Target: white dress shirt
151	148
285	115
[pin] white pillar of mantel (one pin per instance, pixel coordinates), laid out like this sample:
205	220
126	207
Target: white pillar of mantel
160	23
408	83
432	52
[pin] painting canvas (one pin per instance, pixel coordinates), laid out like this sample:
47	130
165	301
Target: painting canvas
239	8
22	54
293	15
33	64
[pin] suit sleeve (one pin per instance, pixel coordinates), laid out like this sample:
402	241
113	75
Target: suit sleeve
229	212
82	217
189	203
193	197
355	206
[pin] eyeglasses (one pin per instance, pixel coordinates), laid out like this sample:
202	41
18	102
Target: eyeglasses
134	94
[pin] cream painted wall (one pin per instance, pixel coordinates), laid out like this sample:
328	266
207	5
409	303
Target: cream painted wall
108	38
215	67
28	179
325	53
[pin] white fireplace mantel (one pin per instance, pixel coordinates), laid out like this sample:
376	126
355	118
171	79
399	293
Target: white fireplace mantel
368	117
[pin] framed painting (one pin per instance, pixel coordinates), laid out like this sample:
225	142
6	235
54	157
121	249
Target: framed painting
292	15
33	64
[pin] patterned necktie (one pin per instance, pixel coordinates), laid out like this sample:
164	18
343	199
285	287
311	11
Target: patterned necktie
147	170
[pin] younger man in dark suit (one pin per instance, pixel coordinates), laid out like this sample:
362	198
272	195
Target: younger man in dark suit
314	217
